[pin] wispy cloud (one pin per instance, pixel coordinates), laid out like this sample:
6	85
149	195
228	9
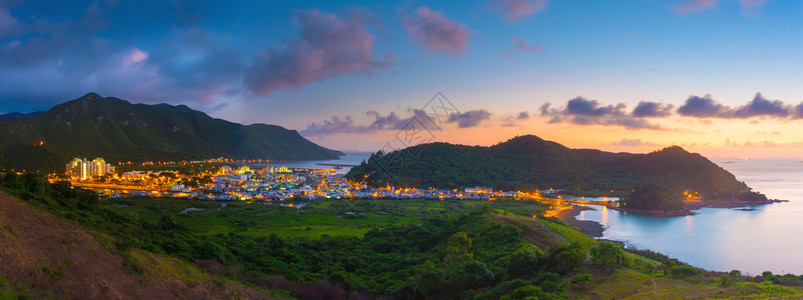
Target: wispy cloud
632	143
691	6
436	33
517	9
521	45
514	120
749	7
392	121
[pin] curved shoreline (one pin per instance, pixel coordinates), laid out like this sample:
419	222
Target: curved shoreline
594	229
590	228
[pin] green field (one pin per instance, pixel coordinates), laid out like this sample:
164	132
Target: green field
332	218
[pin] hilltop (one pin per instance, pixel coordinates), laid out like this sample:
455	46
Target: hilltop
529	162
117	130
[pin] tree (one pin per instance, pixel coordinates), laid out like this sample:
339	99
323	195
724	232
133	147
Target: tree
565	259
735	276
683	271
582	279
4	164
168	222
666	266
457	251
653	196
11	180
169	175
606	253
523	292
476	274
724	280
524	263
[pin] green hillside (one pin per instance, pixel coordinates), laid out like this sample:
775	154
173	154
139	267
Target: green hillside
57	241
529	162
92	126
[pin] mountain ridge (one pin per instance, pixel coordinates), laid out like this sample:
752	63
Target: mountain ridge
17	116
118	130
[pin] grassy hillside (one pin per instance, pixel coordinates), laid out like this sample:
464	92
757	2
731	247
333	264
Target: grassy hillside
528	162
92	126
48	256
407	249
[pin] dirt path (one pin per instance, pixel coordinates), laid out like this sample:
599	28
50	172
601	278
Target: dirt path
552	232
654	287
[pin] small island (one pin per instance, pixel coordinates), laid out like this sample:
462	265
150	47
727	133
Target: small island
659	200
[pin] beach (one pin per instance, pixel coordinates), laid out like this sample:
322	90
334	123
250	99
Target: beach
591	228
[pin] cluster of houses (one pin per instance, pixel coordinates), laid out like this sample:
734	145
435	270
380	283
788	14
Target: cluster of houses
244	185
280	183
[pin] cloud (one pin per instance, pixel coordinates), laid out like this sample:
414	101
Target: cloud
9	25
78	55
335	125
750	6
436	33
647	109
522	45
797	111
702	107
392	121
583	107
328	47
346	125
706	107
214	71
582	111
632	143
134	56
760	106
470	118
511	121
517	9
691	6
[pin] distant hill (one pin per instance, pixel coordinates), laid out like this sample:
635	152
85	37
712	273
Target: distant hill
93	126
529	162
15	116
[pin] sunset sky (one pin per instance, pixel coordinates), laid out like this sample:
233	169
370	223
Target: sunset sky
719	77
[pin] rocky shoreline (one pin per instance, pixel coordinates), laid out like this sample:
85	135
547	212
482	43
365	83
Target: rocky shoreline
690	207
656	212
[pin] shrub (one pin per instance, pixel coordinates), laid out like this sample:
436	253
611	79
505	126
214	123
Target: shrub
683	271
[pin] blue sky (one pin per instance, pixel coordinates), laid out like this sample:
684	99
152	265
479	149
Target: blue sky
301	64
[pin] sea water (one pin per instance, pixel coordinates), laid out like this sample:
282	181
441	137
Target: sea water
761	238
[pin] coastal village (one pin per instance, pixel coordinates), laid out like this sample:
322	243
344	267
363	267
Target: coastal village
269	184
